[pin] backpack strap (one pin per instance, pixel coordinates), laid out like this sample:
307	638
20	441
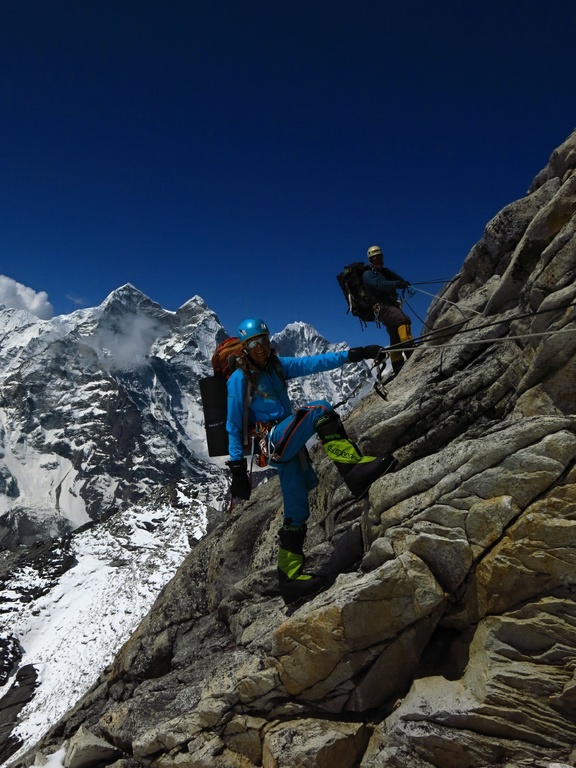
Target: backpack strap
248	395
277	366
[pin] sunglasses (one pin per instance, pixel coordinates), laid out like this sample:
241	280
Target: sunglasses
258	341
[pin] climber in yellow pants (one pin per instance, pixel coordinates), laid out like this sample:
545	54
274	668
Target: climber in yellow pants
381	285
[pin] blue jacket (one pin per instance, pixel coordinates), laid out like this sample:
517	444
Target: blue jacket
381	285
270	402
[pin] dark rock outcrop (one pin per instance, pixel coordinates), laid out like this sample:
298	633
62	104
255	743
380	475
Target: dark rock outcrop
11	704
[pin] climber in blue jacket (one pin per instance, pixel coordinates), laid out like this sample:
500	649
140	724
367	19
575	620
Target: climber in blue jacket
260	414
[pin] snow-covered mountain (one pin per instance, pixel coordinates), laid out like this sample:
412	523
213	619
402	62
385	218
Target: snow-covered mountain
68	605
339	386
105	482
100	407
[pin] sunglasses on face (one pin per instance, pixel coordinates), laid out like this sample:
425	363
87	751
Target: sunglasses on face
259	341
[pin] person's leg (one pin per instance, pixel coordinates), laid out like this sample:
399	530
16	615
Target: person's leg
396	358
288	437
291	435
358	471
297	478
405	336
397	324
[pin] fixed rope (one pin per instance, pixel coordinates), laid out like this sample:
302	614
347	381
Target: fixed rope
421	341
446	301
437	280
492	340
420	345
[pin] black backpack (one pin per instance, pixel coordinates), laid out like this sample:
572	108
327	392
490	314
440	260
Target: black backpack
352	284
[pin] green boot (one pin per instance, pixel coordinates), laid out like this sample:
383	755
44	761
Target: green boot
294	584
358	472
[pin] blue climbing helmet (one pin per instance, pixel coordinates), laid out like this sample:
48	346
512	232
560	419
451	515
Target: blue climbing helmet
254	326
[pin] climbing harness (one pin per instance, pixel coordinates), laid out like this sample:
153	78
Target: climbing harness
260	440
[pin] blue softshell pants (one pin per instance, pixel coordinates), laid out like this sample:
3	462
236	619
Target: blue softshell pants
289	456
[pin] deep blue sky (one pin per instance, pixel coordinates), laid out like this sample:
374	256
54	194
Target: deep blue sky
246	150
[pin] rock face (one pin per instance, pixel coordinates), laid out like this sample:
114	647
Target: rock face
448	636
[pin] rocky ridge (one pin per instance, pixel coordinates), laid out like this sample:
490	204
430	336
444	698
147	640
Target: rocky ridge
448	636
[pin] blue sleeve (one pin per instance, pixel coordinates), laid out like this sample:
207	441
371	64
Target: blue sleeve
302	366
235	416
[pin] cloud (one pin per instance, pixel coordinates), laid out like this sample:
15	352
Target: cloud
126	343
18	296
77	300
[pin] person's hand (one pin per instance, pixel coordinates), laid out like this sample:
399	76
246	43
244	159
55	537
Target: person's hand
240	488
402	284
356	354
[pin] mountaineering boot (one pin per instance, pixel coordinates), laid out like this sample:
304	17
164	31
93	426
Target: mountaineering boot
405	335
358	472
294	584
397	361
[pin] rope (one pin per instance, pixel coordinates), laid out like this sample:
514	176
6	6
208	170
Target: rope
411	290
367	375
452	303
414	312
439	280
442	331
381	359
477	341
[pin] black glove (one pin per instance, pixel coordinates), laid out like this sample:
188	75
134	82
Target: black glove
356	354
240	481
402	284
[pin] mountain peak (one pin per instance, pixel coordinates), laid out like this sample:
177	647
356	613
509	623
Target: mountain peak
301	338
129	298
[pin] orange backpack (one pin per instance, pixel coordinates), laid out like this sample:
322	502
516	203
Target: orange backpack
223	359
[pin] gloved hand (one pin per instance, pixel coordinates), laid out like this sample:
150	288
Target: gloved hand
402	284
356	354
240	488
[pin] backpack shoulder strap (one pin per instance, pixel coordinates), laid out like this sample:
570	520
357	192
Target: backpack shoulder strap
248	395
277	366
